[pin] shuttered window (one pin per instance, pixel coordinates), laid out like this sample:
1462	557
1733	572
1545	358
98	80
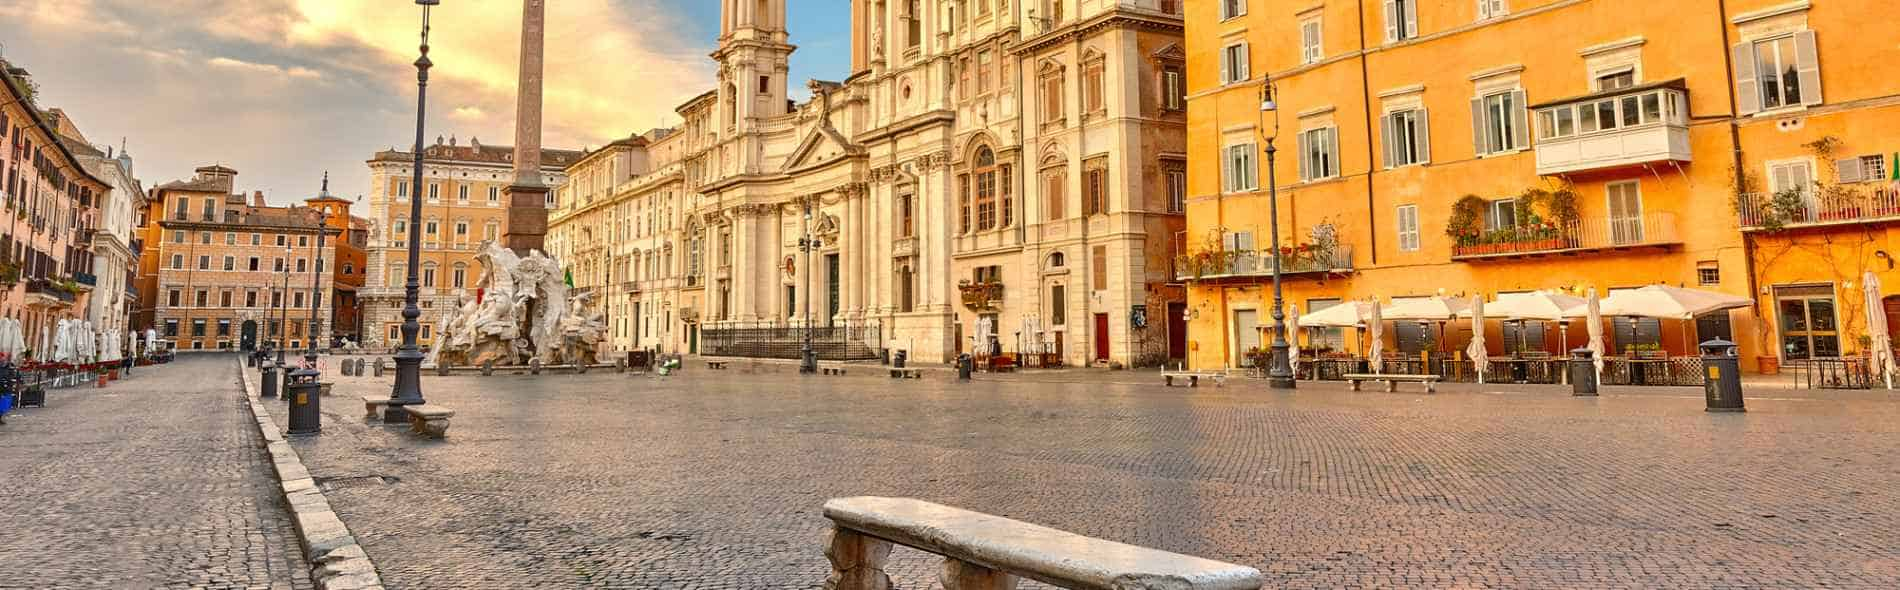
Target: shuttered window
1408	228
1500	122
1407	138
1777	72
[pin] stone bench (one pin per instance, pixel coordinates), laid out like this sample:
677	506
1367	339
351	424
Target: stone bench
907	374
1392	381
984	552
831	370
374	404
1193	378
716	365
429	420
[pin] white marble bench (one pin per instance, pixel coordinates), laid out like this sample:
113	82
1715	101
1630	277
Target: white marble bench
984	552
429	420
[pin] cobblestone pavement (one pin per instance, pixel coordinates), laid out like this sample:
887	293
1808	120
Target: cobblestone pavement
158	481
715	480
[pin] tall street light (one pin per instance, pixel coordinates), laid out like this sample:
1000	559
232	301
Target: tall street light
407	390
808	361
316	279
1280	372
283	307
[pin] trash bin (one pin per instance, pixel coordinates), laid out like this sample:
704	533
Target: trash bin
268	382
897	362
304	394
1583	372
1722	383
965	365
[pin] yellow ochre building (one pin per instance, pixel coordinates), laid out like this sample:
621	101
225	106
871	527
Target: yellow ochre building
1486	147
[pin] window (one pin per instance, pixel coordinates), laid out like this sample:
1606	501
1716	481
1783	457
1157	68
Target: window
1401	20
178	237
278	266
230	263
178	261
1052	95
1488	9
283	240
1861	169
296	300
1777	72
1093	100
303	264
428	275
494	195
224	299
1173	87
913	24
964	72
1626	212
1232	8
1095	186
459	276
906	219
1239	170
202	297
1616	80
1324	339
1408	228
197	328
1055	183
276	301
984	171
1407	139
204	238
983	60
1233	64
1319	153
461	230
428	229
257	239
1708	273
1310	37
402	189
1058	305
461	194
1177	189
204	263
1792	175
171	298
1238	241
211	211
230	239
1499	122
435	192
491	230
1500	214
253	264
1099	265
250	299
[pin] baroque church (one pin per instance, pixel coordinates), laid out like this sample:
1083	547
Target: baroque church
993	176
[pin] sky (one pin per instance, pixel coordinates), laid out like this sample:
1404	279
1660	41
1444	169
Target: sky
284	90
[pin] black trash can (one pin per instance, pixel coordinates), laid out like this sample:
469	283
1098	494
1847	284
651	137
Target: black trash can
1722	382
304	394
1583	373
897	362
965	365
268	383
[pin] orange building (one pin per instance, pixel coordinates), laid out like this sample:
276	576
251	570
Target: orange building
50	203
1496	146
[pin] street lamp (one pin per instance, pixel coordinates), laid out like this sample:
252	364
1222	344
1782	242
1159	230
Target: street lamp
808	361
407	390
316	279
283	306
1280	372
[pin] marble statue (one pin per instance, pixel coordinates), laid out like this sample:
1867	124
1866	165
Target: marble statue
519	311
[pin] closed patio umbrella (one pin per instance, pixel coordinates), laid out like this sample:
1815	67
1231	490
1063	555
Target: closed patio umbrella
1878	340
1293	339
1593	318
1375	327
1480	358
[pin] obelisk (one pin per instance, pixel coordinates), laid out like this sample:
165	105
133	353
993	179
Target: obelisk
527	226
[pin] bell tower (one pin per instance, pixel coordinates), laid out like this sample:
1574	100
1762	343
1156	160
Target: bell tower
754	60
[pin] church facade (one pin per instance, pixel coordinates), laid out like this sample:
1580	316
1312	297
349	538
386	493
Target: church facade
993	175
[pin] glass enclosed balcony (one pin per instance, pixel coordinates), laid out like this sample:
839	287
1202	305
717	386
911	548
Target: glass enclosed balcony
1614	129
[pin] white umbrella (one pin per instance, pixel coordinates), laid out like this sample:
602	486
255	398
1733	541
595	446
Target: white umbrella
1439	308
1375	327
1879	341
1346	314
1293	338
1538	305
1480	358
1593	314
1666	302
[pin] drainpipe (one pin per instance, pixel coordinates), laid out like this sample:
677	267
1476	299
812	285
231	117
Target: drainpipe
1365	87
1735	153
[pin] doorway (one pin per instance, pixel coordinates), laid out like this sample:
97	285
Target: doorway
1177	331
1101	338
1246	336
247	335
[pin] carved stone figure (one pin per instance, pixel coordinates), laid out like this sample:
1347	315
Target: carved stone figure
519	312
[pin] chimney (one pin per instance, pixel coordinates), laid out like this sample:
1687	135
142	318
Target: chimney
257	198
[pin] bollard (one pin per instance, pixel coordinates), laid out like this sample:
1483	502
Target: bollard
488	367
534	366
268	382
1723	379
379	367
303	393
965	365
442	369
1583	373
620	365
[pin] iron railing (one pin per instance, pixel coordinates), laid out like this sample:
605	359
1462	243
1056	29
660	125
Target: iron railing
1654	229
1834	373
1765	211
781	340
1258	263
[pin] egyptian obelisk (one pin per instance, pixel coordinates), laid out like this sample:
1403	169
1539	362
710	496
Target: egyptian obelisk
527	195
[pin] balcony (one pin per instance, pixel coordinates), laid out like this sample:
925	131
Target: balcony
1654	230
85	280
1771	212
47	293
1209	266
1614	129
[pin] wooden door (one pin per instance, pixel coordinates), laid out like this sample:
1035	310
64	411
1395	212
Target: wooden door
1101	337
1177	331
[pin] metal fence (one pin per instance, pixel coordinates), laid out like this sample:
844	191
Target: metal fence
844	342
1834	373
1675	371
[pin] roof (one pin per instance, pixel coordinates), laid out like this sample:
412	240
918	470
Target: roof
19	96
1678	84
486	154
198	185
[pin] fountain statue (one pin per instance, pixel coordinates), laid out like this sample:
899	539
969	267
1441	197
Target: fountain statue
520	310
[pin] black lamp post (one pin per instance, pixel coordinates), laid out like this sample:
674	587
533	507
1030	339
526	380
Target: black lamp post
808	361
316	281
407	390
283	309
1280	372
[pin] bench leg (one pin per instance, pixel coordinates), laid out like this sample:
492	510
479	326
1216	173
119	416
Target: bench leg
857	561
1168	380
437	428
1194	381
1355	384
1431	387
1391	387
961	575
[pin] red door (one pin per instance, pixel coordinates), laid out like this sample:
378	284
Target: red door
1177	331
1101	337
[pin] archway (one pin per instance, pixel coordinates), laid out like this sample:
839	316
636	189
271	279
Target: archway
248	335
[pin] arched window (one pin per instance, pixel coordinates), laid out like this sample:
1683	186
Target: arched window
989	184
1056	260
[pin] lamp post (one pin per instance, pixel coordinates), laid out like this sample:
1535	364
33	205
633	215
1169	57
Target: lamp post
407	390
808	361
1280	371
316	280
283	306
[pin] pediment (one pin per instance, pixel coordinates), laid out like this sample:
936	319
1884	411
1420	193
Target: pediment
822	144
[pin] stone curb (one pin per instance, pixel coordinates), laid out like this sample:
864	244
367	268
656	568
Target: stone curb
337	562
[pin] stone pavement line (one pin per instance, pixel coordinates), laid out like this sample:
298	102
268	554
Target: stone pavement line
340	564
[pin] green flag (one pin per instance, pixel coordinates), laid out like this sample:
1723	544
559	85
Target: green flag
570	278
1894	168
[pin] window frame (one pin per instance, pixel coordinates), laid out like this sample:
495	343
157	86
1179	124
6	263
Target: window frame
1409	238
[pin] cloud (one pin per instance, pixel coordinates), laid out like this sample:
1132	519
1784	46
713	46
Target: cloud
468	114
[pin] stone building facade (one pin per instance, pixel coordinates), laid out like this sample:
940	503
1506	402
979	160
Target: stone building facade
110	243
222	272
991	175
462	206
50	202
